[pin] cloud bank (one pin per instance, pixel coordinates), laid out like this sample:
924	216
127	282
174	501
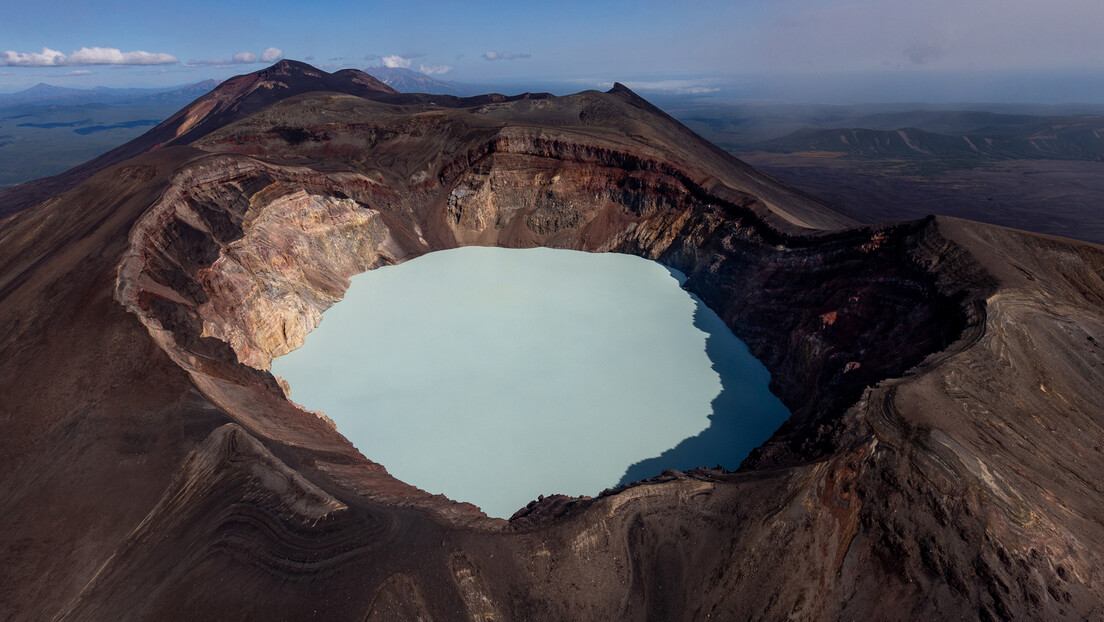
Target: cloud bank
270	55
397	61
504	55
84	56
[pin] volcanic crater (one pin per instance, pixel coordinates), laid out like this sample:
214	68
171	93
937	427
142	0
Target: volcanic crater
942	459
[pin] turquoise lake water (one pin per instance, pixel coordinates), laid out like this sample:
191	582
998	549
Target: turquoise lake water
495	375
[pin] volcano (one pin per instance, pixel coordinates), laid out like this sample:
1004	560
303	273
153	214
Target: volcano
944	459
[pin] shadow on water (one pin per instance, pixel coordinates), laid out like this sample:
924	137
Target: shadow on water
745	412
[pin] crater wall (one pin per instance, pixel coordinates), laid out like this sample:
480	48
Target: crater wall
942	461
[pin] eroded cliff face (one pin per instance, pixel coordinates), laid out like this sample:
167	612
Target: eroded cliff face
242	254
942	460
249	254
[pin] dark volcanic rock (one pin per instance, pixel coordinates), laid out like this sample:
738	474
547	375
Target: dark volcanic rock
943	460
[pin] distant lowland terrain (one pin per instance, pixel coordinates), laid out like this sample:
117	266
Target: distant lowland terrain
46	129
1039	168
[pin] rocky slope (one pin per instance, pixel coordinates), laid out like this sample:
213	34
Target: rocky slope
944	458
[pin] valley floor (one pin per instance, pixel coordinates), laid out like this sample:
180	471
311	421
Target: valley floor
1053	197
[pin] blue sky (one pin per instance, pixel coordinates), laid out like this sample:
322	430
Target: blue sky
682	45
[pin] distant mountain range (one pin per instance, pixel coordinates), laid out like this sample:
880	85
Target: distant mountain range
48	93
956	136
407	81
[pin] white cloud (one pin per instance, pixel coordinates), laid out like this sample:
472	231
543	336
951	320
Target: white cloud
396	61
85	56
112	56
48	58
435	70
504	55
78	72
270	55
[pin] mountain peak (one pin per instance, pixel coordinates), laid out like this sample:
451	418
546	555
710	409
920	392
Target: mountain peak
42	91
292	67
409	81
245	94
289	63
43	88
630	96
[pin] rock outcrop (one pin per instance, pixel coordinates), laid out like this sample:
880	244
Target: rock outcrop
943	459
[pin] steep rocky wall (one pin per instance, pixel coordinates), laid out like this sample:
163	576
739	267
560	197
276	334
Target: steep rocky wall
991	446
247	255
238	261
268	289
829	314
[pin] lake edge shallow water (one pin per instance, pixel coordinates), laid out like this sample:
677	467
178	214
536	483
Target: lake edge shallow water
624	434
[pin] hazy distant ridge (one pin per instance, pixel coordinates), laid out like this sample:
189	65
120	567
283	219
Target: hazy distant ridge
984	136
